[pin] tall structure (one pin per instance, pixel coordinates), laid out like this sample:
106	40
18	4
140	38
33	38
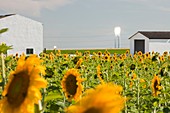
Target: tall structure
24	34
117	31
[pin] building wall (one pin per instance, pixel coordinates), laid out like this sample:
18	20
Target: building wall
159	45
22	33
139	36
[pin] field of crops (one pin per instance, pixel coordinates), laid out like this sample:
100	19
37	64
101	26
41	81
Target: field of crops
98	82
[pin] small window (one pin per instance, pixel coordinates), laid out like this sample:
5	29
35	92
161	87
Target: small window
29	51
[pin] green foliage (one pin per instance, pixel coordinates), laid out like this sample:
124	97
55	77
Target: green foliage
3	30
133	73
4	48
73	51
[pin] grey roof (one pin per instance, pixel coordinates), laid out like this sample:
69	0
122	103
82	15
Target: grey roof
3	16
155	34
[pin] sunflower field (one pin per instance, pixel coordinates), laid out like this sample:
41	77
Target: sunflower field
99	82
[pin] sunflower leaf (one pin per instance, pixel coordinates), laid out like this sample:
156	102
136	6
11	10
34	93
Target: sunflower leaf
52	96
3	30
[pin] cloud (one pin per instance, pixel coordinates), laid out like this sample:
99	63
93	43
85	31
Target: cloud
31	7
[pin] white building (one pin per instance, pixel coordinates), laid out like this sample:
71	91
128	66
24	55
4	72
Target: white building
148	41
24	34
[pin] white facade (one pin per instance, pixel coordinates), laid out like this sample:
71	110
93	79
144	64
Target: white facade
156	45
23	33
159	45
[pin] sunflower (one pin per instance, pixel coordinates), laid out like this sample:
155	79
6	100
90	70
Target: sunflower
79	63
141	60
99	53
105	98
161	58
144	56
131	84
165	53
111	67
93	57
132	79
127	51
134	76
115	58
143	82
99	74
106	57
153	52
51	56
132	67
71	84
59	51
65	56
139	53
124	56
16	56
156	85
148	55
88	52
22	90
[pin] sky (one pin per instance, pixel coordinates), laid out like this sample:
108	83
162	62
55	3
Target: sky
70	24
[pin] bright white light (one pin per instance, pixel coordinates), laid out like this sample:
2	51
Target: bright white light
117	31
55	47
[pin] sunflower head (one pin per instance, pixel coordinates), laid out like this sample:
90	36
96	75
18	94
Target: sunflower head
140	53
161	58
99	74
79	63
153	52
111	67
143	82
99	53
127	51
106	57
141	60
71	84
66	56
105	98
165	53
59	51
156	85
148	55
132	67
132	79
131	84
51	56
22	90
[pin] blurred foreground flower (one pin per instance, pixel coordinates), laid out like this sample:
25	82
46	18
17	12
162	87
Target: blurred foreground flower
22	90
105	98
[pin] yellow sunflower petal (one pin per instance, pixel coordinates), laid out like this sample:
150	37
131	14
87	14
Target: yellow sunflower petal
71	84
104	98
39	83
21	92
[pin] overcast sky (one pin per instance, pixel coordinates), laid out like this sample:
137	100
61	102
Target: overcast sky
90	23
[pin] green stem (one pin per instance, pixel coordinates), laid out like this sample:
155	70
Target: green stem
125	89
125	94
154	110
138	93
3	71
165	93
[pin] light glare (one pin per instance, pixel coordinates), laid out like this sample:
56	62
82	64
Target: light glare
117	31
